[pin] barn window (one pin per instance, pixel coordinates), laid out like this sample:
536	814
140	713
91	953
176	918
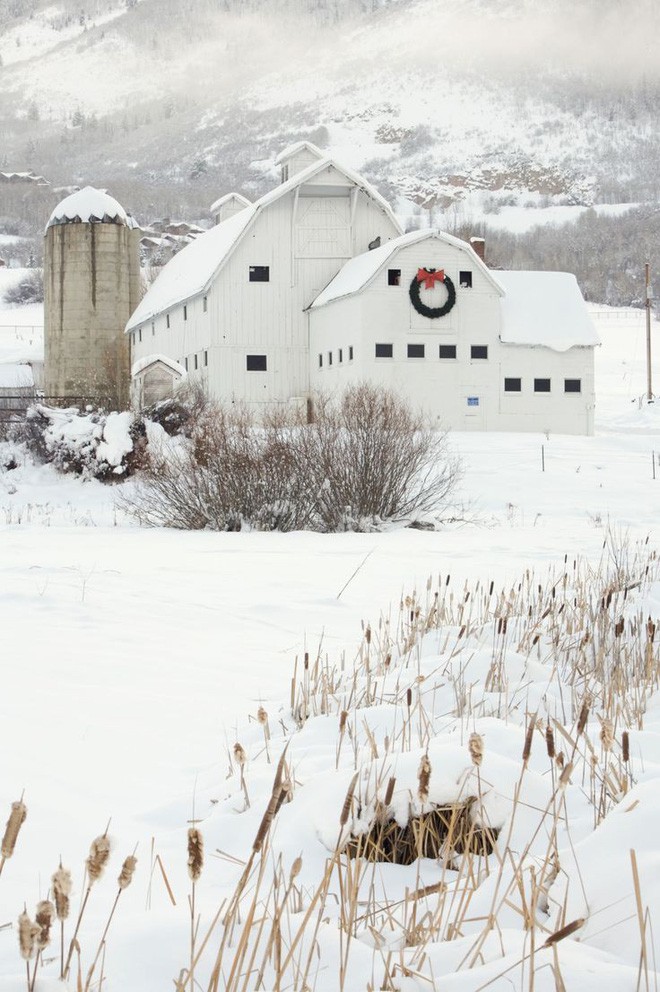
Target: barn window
329	358
285	173
572	385
195	362
167	320
350	353
465	279
447	351
256	363
415	351
341	356
512	385
479	351
185	312
394	277
320	361
473	401
384	350
140	334
185	364
259	273
541	385
153	328
205	304
206	358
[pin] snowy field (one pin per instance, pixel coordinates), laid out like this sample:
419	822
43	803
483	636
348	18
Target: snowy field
134	660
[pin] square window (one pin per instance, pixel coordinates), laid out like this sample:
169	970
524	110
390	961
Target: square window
195	362
479	351
205	304
415	351
259	273
473	401
394	277
465	279
341	356
384	350
256	363
206	358
541	385
572	385
329	358
447	351
185	312
350	353
320	361
167	320
512	385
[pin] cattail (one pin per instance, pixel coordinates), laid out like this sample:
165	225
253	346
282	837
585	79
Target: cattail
61	891
367	635
14	824
99	853
408	697
126	873
606	734
343	717
27	935
239	754
44	920
566	931
582	719
625	746
550	741
527	747
565	775
560	759
295	869
476	749
389	792
423	778
195	853
348	802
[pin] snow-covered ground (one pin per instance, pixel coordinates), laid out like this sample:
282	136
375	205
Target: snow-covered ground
134	660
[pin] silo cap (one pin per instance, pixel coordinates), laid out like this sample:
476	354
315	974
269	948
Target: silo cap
90	206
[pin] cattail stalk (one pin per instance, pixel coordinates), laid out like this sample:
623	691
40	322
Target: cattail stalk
14	823
195	865
423	778
123	881
43	919
99	853
61	883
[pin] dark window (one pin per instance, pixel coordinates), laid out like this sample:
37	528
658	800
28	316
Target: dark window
195	362
479	351
329	358
259	273
512	385
167	320
541	385
256	363
185	312
153	327
320	361
341	356
394	277
415	351
350	353
206	358
384	350
473	401
185	364
447	351
465	280
572	385
140	334
205	304
285	173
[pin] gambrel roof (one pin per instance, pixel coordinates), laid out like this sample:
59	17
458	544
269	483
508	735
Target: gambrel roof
192	270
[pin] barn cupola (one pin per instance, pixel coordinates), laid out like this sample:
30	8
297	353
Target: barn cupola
297	157
227	206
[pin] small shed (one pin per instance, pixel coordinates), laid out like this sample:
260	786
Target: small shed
155	378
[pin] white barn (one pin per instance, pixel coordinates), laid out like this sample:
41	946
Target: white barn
314	286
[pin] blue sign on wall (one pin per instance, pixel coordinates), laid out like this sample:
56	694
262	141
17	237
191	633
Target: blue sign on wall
473	401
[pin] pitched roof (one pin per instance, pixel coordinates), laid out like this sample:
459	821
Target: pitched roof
194	268
243	200
90	206
545	309
143	363
298	146
360	270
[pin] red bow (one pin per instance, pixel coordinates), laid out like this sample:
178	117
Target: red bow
430	278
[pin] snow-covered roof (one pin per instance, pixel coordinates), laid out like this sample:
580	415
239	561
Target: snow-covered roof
90	206
192	270
545	309
299	146
143	363
16	376
359	271
243	200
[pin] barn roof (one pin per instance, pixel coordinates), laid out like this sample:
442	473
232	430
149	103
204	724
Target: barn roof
90	206
193	269
243	200
143	363
545	309
298	146
359	271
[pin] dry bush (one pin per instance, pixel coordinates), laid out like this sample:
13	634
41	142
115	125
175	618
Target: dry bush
364	460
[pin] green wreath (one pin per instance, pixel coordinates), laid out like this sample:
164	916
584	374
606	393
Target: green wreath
431	276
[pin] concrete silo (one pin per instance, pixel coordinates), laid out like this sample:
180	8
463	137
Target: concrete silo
91	287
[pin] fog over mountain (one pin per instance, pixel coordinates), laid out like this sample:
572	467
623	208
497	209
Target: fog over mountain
453	109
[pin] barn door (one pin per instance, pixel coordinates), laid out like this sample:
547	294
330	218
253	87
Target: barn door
323	227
